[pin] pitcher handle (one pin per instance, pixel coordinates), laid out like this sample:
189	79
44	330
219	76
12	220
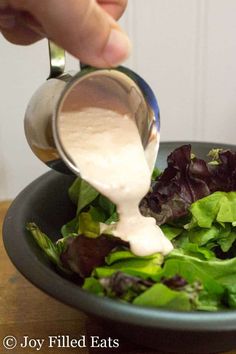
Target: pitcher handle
57	60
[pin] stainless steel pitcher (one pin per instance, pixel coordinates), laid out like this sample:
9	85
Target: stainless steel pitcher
118	89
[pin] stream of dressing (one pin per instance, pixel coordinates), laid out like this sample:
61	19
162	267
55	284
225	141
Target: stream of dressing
107	149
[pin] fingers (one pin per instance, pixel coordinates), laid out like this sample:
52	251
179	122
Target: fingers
14	28
23	36
114	7
83	27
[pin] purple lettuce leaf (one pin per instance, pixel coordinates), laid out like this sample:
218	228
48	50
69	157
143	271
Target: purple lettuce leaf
124	286
186	180
83	254
224	174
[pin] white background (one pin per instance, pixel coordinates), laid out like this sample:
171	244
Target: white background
185	49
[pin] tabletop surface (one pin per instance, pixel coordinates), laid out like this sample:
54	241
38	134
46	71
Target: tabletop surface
25	311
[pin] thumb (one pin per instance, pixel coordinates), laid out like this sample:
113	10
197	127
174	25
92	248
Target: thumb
82	28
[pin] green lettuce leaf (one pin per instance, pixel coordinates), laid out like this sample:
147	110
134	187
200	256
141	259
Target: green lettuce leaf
219	206
91	224
171	232
74	190
156	173
192	249
87	226
161	296
106	205
82	193
210	272
87	194
209	302
93	210
211	225
93	286
192	269
126	262
124	254
52	250
227	239
97	214
230	296
70	228
112	219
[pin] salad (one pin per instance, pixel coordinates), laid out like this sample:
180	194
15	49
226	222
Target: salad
194	203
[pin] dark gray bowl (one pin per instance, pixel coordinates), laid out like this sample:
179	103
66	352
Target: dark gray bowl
45	202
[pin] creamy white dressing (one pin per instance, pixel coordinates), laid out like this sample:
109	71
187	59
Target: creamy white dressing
107	149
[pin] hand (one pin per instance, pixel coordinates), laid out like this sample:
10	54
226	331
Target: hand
85	28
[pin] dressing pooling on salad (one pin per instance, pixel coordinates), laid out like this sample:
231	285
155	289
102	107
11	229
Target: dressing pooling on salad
106	147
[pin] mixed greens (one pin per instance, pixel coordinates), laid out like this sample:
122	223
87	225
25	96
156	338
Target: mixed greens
194	202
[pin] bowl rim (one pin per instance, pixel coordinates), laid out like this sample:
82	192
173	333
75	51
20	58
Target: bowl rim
56	286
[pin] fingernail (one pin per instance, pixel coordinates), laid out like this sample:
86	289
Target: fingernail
117	49
7	21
